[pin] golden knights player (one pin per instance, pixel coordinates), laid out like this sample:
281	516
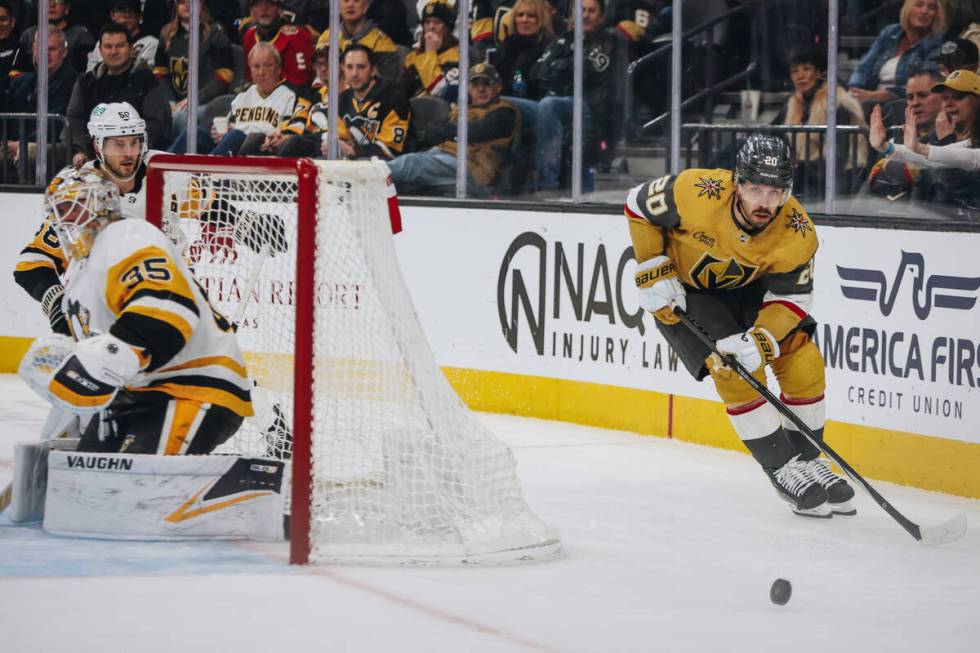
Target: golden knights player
160	367
736	252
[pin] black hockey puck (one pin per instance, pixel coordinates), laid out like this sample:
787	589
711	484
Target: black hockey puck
780	591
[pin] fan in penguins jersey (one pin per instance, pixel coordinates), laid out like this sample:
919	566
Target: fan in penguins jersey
159	366
735	250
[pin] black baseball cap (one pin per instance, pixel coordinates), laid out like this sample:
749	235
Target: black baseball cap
955	53
485	72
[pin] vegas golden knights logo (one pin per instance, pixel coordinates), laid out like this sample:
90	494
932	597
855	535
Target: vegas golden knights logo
178	76
711	273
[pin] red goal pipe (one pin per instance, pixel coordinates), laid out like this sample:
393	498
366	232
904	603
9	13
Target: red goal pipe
299	540
305	171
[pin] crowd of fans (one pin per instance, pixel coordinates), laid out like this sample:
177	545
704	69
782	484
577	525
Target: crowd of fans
264	72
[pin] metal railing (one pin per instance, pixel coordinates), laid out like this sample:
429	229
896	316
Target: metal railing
664	51
714	146
18	131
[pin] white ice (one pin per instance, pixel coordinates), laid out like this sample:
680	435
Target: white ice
667	547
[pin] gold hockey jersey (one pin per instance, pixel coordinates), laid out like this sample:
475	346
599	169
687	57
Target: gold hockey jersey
135	285
691	219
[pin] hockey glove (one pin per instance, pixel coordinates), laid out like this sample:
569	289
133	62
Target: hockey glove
51	305
659	288
752	349
88	380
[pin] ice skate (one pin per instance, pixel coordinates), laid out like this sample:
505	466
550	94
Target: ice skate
796	485
839	491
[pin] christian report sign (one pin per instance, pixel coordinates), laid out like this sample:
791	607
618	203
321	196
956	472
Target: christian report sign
552	295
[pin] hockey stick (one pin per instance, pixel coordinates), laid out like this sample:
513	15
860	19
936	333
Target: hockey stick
948	531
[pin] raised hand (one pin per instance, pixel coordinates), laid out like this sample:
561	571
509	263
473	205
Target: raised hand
876	133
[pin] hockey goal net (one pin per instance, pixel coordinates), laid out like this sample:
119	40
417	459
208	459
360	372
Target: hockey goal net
386	463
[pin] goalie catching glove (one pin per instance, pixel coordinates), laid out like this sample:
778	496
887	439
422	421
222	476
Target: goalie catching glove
660	289
82	377
752	349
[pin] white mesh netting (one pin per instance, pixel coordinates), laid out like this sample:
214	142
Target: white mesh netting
402	472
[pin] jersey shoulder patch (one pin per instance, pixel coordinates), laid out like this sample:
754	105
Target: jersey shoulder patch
795	235
701	189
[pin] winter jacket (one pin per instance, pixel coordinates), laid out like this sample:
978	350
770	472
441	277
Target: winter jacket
136	85
884	48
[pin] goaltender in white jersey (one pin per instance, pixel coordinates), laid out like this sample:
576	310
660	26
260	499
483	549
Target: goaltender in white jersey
161	368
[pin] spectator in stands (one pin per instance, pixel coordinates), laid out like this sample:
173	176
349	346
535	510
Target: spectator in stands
299	139
119	78
391	17
894	179
372	114
358	28
129	14
808	106
952	179
215	65
899	49
8	47
80	40
958	54
493	124
93	14
518	52
294	42
963	20
267	105
23	94
552	73
432	67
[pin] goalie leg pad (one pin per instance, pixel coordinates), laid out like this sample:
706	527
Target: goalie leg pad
122	496
31	478
156	423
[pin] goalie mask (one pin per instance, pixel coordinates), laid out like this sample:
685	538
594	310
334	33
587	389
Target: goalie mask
117	119
78	204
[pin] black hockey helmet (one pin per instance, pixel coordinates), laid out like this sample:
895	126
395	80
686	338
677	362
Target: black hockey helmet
765	159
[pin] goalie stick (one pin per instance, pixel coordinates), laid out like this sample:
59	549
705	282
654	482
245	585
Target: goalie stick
948	531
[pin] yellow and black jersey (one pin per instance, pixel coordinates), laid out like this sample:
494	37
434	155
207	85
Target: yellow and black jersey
431	73
691	219
376	125
385	52
135	285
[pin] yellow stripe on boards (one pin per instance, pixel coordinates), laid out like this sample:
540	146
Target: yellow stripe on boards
920	461
12	350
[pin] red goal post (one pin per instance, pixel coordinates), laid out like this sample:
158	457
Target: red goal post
306	176
387	465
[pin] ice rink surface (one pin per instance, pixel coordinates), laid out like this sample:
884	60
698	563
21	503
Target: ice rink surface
667	547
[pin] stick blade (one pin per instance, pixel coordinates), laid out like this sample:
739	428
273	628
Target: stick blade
944	533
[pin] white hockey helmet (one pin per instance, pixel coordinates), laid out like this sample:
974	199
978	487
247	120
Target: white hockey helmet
78	204
116	119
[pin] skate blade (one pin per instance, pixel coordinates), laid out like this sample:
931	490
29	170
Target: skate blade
843	508
820	512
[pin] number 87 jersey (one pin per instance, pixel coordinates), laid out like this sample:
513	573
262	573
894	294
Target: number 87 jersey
135	285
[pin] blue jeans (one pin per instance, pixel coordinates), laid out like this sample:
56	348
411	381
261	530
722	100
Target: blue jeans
227	146
554	120
424	170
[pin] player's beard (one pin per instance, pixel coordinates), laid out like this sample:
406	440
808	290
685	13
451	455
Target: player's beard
759	218
131	164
